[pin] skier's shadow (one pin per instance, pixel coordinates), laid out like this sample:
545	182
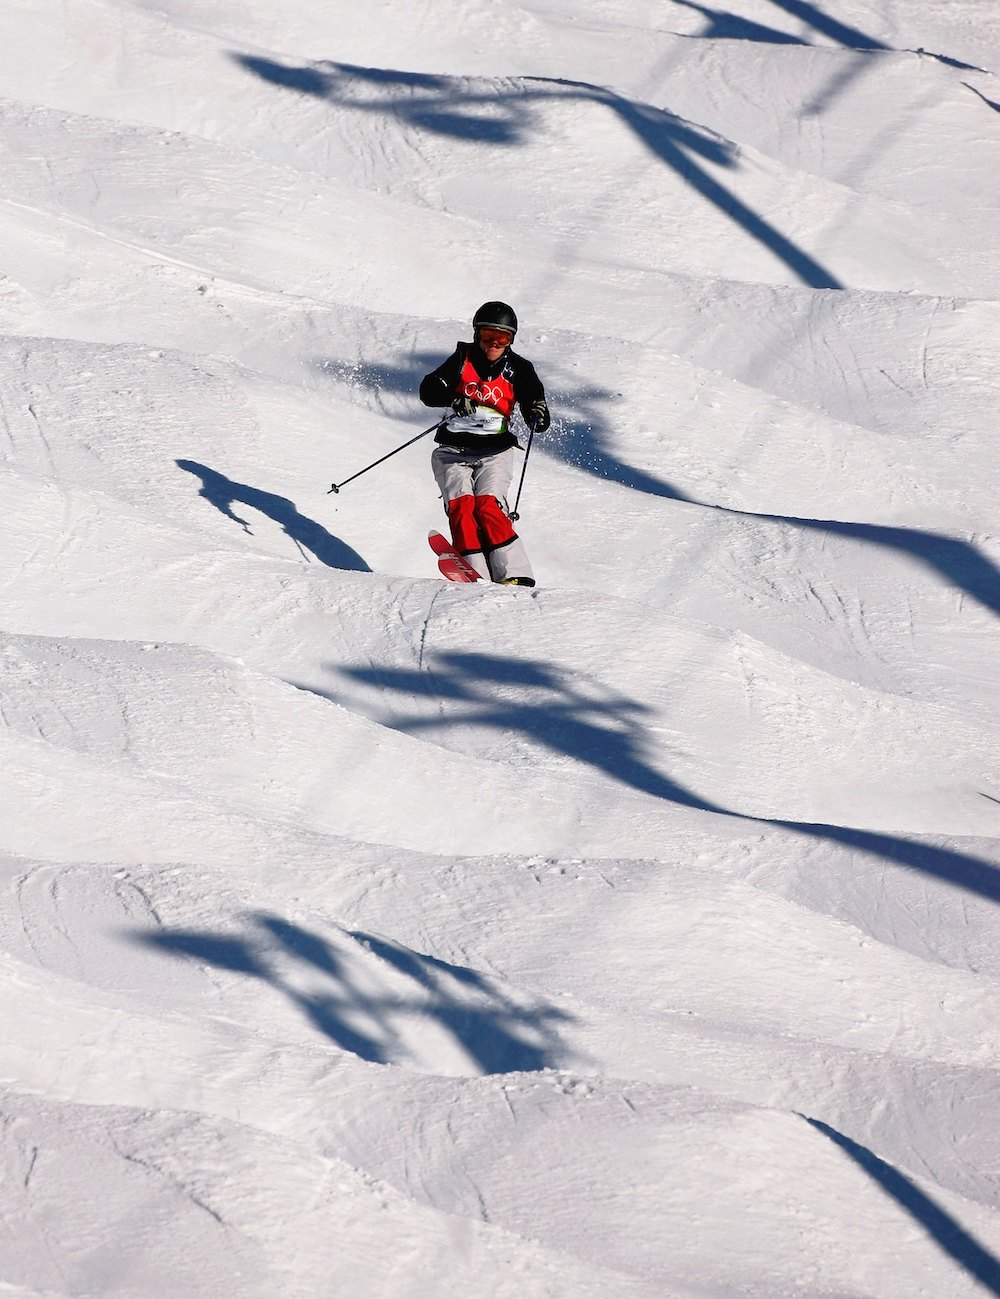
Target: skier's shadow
333	980
224	493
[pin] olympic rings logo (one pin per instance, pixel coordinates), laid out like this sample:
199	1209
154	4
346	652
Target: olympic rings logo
489	396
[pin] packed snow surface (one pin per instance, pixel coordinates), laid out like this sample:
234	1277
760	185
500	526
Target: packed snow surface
368	935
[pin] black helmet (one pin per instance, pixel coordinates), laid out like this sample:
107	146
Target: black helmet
495	315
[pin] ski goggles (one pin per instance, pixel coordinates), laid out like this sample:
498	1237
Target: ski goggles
496	337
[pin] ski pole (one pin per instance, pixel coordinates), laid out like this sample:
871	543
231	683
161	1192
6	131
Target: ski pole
527	452
337	486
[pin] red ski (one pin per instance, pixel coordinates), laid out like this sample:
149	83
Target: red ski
454	566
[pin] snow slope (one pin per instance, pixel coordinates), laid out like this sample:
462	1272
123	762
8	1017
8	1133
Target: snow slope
366	935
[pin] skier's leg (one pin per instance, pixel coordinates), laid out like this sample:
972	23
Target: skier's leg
453	472
510	562
505	553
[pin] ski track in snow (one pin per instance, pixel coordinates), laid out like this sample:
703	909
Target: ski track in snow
364	934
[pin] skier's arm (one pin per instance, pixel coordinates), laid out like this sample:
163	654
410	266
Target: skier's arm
438	387
531	398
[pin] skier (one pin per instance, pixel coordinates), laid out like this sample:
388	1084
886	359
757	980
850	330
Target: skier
473	460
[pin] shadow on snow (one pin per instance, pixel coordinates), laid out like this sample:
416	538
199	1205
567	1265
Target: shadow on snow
447	106
307	535
581	440
960	563
503	117
606	733
812	16
722	25
444	105
947	1233
499	1035
578	438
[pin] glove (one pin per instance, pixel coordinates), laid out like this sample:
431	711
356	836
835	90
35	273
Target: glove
538	416
464	406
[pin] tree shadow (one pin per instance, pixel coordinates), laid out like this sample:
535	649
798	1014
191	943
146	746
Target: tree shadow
960	563
500	1036
348	1007
451	107
946	1232
580	441
448	106
851	38
604	730
430	103
677	144
580	436
722	25
381	382
307	535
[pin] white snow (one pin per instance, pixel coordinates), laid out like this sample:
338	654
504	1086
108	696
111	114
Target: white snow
367	935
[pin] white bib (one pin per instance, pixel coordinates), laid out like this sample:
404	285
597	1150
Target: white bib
486	420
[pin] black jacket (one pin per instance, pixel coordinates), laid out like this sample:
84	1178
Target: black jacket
439	389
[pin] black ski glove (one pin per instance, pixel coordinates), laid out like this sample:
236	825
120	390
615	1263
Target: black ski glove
464	406
538	416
